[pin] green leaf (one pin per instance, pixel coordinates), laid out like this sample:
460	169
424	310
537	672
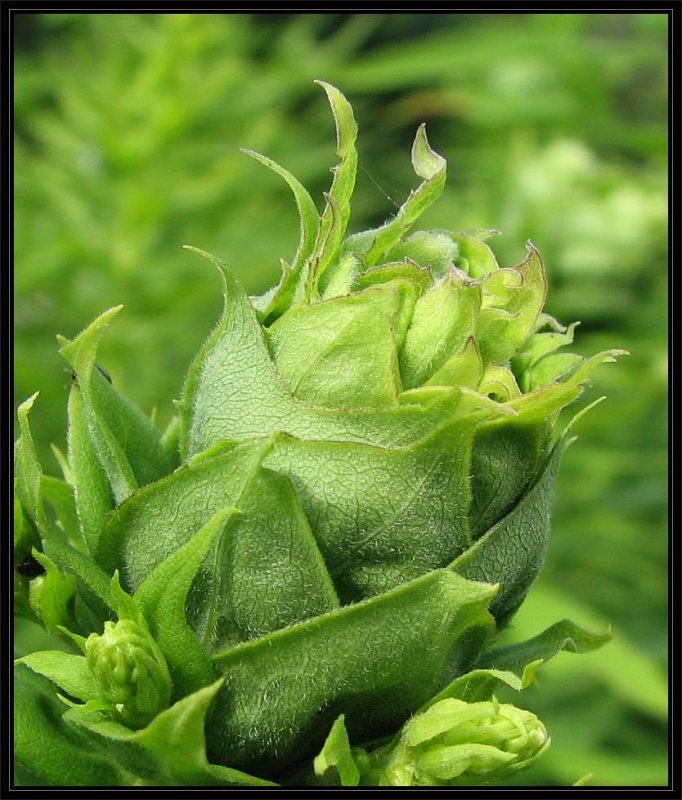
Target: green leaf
433	250
27	469
291	283
29	474
375	661
47	752
335	764
481	684
512	552
334	219
563	635
69	672
91	485
25	535
382	516
49	594
542	405
126	443
306	210
444	319
233	392
60	495
512	302
419	277
162	596
622	670
429	166
474	256
506	459
341	352
267	570
171	750
268	545
176	507
463	369
536	347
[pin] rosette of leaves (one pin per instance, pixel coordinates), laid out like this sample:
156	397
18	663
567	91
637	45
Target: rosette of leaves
319	551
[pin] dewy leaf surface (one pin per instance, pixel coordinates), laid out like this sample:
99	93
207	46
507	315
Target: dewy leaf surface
375	661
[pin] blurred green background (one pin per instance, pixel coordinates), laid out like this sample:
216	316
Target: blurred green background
128	129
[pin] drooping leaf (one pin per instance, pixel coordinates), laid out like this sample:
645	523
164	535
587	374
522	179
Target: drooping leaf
563	635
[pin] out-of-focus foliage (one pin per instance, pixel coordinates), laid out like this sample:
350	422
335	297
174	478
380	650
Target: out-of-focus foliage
128	129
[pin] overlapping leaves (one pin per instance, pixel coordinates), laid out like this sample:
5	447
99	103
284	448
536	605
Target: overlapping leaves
366	461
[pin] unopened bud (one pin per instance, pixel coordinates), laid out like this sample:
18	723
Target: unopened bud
130	671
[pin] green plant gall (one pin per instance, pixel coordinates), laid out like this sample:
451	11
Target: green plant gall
322	548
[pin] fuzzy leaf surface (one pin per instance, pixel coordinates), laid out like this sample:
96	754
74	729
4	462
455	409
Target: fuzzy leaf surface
375	661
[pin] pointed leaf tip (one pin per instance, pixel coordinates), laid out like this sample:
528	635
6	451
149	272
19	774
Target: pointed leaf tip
426	162
346	126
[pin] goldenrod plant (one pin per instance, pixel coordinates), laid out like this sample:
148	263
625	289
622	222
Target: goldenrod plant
301	580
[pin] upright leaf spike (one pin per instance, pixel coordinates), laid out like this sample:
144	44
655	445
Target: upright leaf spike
334	219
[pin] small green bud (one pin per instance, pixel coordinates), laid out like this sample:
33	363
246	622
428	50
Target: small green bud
130	671
458	743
